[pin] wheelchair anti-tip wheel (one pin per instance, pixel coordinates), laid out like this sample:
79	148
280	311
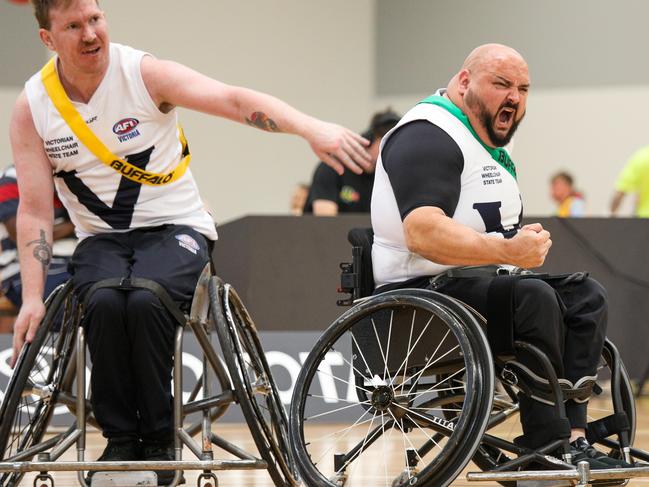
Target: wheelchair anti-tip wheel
252	379
371	403
30	397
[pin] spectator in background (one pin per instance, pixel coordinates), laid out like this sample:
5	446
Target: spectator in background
63	247
570	202
298	199
332	193
634	179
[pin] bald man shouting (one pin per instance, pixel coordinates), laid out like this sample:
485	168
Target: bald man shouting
445	196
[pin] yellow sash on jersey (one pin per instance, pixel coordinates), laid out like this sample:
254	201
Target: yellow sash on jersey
74	120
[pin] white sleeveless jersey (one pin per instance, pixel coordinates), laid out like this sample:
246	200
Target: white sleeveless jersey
489	197
123	116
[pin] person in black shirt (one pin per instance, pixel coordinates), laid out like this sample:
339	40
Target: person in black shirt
332	193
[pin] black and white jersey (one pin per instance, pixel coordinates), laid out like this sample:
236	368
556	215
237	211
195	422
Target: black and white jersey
125	118
431	158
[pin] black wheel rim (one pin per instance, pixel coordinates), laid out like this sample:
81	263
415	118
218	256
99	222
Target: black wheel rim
253	383
432	447
30	399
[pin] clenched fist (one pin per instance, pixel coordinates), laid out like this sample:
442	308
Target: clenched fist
529	247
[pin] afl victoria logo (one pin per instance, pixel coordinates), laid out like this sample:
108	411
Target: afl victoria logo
125	126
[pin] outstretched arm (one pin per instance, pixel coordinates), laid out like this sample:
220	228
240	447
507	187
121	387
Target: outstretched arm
171	84
34	220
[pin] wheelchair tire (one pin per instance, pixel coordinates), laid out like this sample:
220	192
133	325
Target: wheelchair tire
625	387
39	369
253	383
351	440
488	457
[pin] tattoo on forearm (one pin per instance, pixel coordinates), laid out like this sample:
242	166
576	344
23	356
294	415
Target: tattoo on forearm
42	251
263	122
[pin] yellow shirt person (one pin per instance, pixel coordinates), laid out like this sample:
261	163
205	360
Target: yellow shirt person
634	178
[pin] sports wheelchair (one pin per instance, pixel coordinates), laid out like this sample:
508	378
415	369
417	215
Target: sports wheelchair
50	374
422	396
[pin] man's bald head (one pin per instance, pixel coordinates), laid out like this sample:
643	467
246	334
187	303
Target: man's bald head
488	54
491	89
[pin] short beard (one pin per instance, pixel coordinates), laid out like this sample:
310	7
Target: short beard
488	120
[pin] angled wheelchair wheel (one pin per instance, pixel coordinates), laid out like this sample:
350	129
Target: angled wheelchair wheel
396	392
611	415
31	395
253	383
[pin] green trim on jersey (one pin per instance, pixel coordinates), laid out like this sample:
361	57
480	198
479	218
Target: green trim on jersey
498	154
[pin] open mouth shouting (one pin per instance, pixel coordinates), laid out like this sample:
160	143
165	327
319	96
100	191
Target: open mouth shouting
505	118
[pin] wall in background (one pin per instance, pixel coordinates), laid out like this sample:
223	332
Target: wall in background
314	55
580	43
341	60
590	85
20	50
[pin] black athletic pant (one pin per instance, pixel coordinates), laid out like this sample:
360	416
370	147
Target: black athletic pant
130	334
567	321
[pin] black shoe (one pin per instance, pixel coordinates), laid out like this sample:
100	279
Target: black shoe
582	450
156	451
121	449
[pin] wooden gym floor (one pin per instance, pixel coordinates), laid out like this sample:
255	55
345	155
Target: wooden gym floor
238	434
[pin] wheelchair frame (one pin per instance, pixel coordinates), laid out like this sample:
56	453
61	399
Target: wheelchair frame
440	470
244	377
249	381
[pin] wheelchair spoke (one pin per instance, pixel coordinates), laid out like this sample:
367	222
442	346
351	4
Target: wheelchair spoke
360	351
387	352
417	393
430	438
334	411
403	433
428	364
365	378
385	360
343	381
355	456
331	435
434	387
409	350
371	421
336	399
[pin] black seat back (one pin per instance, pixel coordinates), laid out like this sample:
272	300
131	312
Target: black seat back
357	277
363	238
